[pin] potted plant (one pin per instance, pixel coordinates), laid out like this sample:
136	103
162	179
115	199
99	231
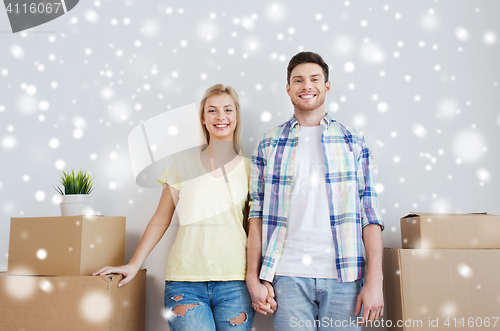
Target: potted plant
75	192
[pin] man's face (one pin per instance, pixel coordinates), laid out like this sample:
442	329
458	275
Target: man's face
307	88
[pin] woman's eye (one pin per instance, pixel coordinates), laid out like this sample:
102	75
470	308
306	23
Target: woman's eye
228	110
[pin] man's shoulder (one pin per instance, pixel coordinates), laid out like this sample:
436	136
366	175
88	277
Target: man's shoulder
351	134
274	133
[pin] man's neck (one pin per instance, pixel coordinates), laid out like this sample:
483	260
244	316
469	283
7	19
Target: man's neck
310	118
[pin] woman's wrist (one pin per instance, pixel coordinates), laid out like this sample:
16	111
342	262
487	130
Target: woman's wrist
252	280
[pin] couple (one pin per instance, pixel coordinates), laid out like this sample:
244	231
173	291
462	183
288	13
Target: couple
312	206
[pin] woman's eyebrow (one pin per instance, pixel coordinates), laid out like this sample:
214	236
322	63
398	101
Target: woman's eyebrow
216	107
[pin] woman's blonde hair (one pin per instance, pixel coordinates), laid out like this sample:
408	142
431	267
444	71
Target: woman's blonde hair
219	89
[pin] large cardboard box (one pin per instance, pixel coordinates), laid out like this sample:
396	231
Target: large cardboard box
441	289
65	246
462	231
72	303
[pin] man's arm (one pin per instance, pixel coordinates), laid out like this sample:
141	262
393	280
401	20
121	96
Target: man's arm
371	296
262	294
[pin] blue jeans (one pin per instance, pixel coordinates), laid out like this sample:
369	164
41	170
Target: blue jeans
215	305
315	304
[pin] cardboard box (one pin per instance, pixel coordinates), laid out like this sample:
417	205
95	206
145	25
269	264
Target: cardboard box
72	303
65	246
441	289
448	231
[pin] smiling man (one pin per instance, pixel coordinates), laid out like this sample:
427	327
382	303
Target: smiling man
313	206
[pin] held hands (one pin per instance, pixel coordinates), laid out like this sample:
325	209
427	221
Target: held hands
372	299
127	270
262	295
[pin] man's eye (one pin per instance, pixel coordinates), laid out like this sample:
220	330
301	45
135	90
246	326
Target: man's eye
298	81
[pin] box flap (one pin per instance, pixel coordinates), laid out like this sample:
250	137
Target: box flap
449	283
392	286
128	303
410	215
103	243
53	303
450	231
45	245
417	214
77	303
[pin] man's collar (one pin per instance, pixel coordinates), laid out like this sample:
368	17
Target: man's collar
326	120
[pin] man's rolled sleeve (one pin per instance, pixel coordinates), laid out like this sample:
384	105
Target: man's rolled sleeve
257	182
370	213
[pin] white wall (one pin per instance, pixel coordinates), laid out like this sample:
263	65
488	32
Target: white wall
424	91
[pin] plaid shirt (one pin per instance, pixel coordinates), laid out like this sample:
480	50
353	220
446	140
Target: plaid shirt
350	186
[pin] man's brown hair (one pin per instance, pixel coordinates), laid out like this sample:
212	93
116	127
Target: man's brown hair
306	57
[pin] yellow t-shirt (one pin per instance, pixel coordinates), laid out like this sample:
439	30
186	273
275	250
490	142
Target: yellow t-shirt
210	242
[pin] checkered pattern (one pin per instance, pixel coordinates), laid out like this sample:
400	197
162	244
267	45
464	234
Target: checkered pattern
350	186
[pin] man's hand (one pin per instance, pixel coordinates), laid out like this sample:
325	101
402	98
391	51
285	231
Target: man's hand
262	295
371	298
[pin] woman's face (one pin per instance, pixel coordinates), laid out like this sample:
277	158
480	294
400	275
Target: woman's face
220	117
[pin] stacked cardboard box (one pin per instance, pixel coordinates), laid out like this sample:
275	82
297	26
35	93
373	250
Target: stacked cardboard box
445	277
49	283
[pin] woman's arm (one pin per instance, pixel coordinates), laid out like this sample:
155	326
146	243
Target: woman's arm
155	229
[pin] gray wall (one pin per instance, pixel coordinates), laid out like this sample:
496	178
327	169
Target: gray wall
423	90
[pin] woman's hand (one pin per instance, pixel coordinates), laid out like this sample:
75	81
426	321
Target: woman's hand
262	295
127	270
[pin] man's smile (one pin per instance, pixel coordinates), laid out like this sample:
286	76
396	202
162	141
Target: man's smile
307	95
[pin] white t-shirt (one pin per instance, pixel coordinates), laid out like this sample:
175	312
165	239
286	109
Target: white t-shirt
308	250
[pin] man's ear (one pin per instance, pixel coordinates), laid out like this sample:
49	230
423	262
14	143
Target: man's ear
328	85
288	89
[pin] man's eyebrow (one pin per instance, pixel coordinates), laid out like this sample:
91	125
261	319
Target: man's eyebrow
320	75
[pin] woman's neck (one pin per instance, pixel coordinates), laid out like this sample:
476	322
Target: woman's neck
220	153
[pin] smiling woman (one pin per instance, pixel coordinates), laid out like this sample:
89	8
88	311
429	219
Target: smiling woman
205	273
220	114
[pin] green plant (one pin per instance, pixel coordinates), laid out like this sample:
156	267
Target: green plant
80	183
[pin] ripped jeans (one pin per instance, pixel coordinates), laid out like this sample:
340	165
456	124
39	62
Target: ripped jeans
208	306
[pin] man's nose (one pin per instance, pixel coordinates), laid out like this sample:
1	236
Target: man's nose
307	85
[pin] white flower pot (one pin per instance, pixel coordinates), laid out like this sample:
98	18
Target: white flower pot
74	204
